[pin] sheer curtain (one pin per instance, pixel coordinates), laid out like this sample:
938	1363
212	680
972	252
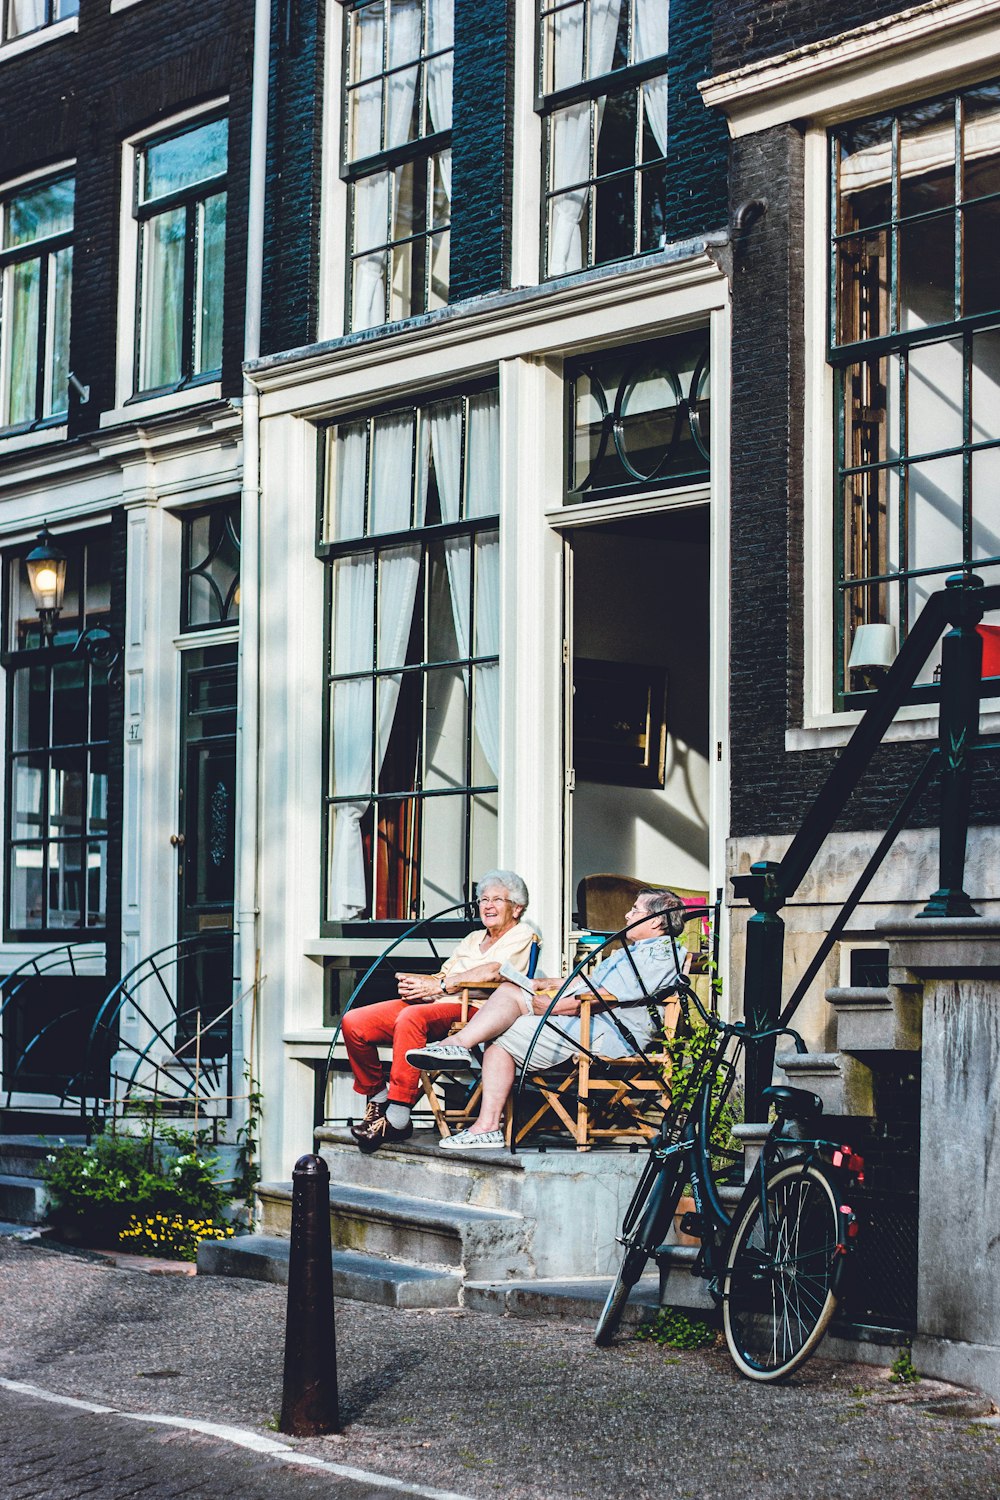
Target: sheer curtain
482	498
162	299
399	571
24	15
371	208
651	20
569	140
441	34
20	341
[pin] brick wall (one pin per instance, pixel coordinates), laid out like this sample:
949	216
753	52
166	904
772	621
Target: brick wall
78	96
746	31
482	147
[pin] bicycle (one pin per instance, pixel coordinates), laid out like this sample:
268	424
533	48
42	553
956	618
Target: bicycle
776	1263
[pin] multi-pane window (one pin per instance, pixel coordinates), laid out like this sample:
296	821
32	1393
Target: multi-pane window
603	88
915	344
180	205
640	418
397	156
36	277
57	751
21	16
411	535
210	568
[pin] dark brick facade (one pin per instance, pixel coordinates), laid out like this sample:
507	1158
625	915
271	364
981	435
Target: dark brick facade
746	32
772	788
292	192
79	96
697	148
482	147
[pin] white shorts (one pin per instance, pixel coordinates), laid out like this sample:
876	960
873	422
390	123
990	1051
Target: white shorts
550	1049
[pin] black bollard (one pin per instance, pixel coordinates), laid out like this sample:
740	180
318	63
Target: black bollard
309	1404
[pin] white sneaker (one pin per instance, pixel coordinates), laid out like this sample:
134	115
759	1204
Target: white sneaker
474	1140
439	1055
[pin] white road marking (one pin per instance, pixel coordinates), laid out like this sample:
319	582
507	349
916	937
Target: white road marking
241	1437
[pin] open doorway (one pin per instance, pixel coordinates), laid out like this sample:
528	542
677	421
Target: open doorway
640	664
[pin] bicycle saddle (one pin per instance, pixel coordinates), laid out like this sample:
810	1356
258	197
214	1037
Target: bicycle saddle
793	1104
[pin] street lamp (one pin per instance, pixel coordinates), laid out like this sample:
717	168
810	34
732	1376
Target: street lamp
46	567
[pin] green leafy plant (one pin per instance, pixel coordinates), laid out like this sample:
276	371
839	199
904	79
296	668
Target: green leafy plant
689	1051
248	1141
96	1191
902	1370
672	1329
173	1236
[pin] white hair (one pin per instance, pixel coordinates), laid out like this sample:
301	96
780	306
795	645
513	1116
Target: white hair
509	882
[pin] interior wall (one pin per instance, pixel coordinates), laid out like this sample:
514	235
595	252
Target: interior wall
641	595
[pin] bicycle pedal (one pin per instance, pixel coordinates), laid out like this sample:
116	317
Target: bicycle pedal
691	1223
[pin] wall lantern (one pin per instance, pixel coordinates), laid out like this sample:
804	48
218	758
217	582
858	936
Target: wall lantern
46	567
873	652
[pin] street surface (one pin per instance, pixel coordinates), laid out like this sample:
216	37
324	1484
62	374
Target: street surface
443	1400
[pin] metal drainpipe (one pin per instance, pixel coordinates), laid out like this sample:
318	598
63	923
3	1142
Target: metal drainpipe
250	571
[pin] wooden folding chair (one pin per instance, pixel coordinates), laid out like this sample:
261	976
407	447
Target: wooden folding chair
440	1083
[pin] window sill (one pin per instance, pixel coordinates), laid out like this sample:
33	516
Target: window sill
319	949
117	5
38	437
155	406
832	731
38	38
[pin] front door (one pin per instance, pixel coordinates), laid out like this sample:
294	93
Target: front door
207	863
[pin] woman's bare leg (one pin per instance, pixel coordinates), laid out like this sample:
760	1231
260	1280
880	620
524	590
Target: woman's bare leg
492	1018
498	1080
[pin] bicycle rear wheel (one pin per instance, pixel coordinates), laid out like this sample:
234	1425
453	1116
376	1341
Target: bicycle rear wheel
647	1220
779	1284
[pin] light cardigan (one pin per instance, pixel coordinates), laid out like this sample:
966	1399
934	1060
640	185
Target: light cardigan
513	948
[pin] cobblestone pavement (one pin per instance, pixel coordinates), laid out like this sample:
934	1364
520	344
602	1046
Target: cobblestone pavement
482	1406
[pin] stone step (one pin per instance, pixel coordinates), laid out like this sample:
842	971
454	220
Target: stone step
678	1288
358	1277
23	1200
485	1244
886	1019
571	1203
577	1299
23	1155
842	1082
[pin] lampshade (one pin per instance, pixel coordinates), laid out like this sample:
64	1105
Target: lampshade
46	567
873	646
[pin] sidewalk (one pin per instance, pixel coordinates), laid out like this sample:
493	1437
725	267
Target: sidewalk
486	1406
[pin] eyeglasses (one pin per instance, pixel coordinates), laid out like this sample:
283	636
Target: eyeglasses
494	901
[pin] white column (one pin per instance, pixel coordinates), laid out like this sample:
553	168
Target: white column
532	757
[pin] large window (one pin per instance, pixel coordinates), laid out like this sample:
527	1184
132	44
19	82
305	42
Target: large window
397	156
57	753
180	205
210	568
915	341
21	16
410	532
36	275
603	87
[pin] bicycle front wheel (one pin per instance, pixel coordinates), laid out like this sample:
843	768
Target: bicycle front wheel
779	1284
647	1220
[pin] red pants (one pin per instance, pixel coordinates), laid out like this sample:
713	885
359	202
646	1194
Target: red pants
403	1025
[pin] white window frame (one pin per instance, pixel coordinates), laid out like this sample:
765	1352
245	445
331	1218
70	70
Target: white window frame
51	431
126	406
928	49
28	40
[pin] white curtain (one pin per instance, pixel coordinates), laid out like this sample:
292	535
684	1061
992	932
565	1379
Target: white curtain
651	21
570	129
441	34
162	314
482	498
24	15
371	205
21	284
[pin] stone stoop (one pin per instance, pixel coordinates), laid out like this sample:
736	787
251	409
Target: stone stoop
23	1195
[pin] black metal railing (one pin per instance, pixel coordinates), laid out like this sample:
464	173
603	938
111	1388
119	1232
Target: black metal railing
770	885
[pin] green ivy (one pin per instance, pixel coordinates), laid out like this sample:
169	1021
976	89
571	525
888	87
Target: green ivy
902	1371
688	1051
673	1329
95	1192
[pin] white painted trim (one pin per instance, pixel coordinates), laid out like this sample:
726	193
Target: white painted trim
128	262
117	5
196	640
594	512
39	38
918	50
526	199
57	528
470	339
719	605
38	174
39	438
911	723
155	406
258	172
331	322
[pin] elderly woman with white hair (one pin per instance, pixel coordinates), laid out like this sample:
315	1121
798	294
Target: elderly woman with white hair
425	1010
